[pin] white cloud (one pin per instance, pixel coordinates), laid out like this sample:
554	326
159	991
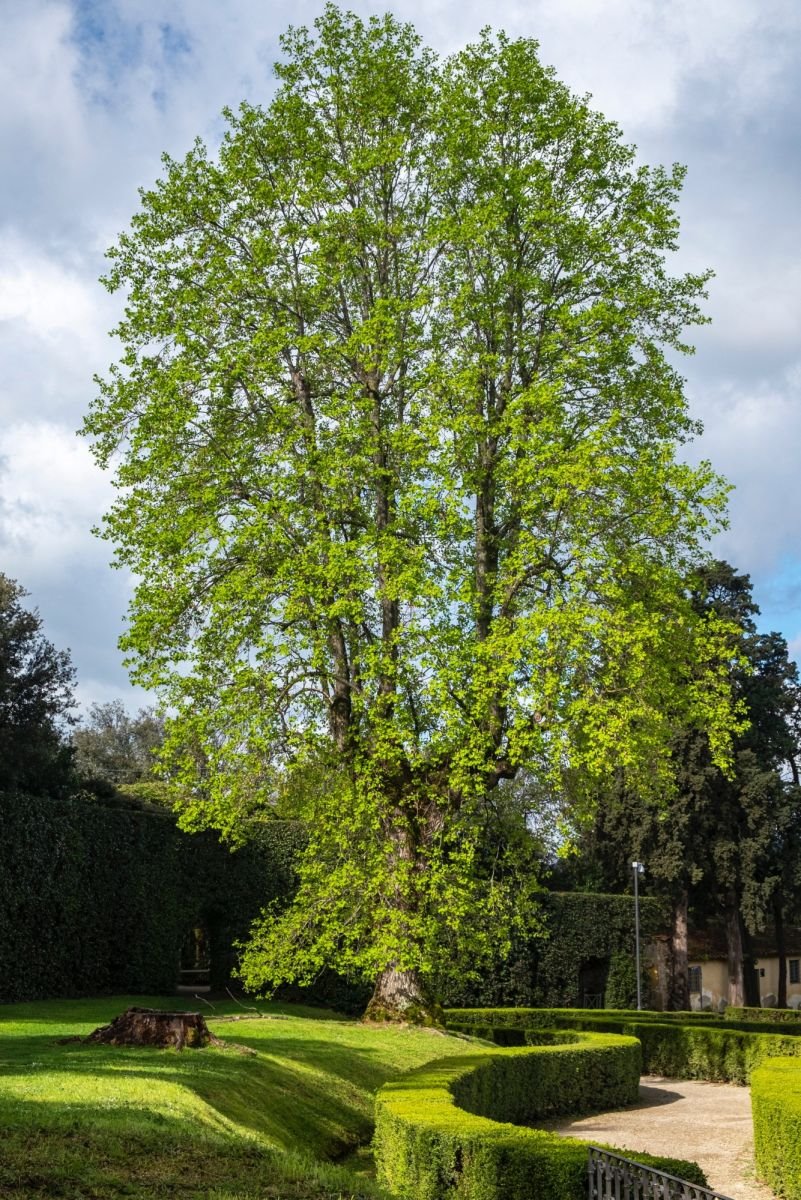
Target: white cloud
752	435
37	70
51	494
54	322
50	299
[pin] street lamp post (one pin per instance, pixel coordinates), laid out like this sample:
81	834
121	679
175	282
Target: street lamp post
638	870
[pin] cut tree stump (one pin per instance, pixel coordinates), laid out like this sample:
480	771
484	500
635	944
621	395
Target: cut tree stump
154	1027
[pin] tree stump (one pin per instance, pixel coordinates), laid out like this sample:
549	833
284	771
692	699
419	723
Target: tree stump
154	1027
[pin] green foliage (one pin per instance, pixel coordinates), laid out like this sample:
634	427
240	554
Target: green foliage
97	896
36	698
679	1045
776	1107
111	745
494	1020
765	1016
621	982
727	839
706	1052
395	429
575	928
441	1131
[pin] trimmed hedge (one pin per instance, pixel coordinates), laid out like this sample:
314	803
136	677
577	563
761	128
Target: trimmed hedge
765	1016
545	969
688	1049
547	1018
443	1131
776	1107
97	895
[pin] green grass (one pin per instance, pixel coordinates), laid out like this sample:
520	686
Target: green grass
219	1124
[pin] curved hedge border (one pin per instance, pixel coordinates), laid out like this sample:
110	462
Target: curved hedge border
689	1050
776	1107
446	1131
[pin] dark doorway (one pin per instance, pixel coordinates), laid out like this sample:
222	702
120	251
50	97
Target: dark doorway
592	982
194	966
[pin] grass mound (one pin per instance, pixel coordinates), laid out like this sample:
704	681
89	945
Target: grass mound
87	1121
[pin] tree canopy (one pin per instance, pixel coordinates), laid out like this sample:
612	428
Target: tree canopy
36	698
111	745
395	430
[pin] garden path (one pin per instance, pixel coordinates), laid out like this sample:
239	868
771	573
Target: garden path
709	1123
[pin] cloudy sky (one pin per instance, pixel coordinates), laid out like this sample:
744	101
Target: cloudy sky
93	91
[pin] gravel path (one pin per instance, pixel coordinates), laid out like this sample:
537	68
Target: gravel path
709	1123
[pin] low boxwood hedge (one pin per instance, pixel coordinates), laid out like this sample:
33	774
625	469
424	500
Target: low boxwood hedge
776	1107
765	1016
550	1018
722	1055
453	1128
690	1049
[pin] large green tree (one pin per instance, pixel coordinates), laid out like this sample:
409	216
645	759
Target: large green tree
395	430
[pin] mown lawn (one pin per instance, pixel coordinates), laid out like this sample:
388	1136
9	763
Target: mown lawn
218	1124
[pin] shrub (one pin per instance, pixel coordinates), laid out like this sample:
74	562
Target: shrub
96	895
621	982
577	927
765	1016
576	1018
776	1107
683	1047
442	1131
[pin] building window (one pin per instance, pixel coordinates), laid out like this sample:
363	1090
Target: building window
795	975
694	979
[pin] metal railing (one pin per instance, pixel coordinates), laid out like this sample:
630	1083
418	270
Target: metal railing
593	1000
612	1177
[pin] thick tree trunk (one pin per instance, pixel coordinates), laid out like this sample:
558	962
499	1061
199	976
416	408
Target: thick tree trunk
781	950
734	951
680	989
401	996
153	1027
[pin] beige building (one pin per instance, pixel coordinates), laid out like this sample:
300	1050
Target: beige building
709	974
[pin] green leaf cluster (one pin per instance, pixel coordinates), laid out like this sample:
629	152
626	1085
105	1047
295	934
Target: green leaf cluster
776	1104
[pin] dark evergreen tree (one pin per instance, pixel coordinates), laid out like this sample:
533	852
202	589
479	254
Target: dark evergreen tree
726	844
36	696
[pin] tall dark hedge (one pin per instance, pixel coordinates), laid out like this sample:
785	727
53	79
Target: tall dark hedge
578	929
97	895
